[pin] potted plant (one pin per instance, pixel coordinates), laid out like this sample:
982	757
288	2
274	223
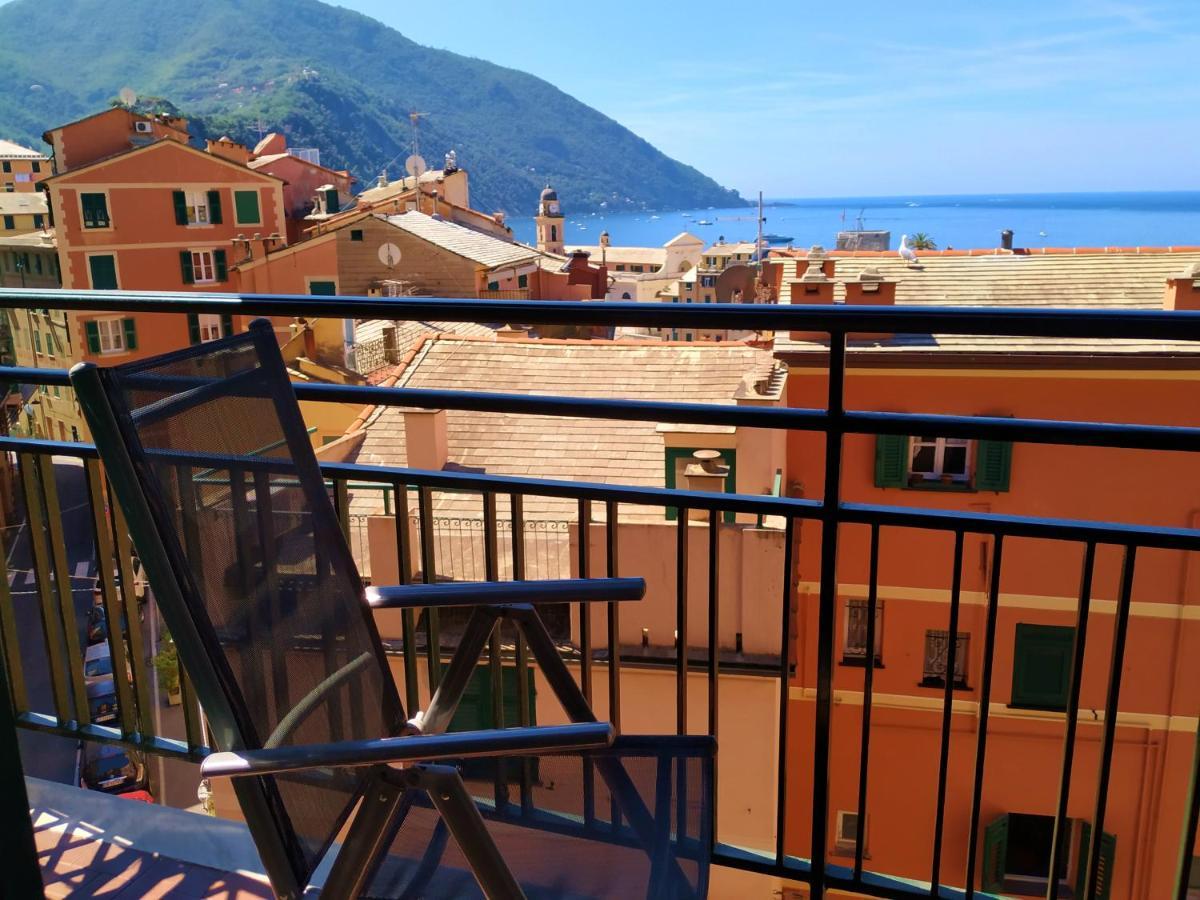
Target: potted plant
166	664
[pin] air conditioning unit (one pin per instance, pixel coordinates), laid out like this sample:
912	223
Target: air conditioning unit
143	127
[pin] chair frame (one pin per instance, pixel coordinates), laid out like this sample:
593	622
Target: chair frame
383	788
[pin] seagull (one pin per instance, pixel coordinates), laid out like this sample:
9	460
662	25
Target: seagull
906	252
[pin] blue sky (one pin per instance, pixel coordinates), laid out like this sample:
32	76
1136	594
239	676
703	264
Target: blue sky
867	98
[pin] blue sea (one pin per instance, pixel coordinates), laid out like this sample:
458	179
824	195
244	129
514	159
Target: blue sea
962	221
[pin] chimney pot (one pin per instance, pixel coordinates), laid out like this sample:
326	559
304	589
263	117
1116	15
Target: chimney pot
1183	290
707	473
425	440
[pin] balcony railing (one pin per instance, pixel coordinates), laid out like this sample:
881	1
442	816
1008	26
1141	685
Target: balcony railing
64	711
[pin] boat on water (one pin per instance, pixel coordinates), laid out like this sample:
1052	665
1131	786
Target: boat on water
703	222
777	238
686	215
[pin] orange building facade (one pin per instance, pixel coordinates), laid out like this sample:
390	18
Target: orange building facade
1039	588
21	168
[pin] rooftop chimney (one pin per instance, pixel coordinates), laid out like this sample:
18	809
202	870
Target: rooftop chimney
425	441
1006	239
512	333
1183	290
870	289
707	473
815	288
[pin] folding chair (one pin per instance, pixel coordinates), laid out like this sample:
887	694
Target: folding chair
206	451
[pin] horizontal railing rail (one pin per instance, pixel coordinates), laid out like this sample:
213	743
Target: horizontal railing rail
410	495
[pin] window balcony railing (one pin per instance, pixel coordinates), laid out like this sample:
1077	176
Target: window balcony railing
45	629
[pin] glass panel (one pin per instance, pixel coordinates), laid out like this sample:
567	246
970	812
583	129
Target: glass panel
954	461
924	459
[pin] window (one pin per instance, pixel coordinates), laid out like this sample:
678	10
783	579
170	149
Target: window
95	210
554	232
245	210
938	462
846	836
9	223
708	281
322	288
1017	852
620	267
677	460
37	264
37	166
103	270
7	166
110	335
37	342
522	281
197	207
933	673
50	343
637	268
854	648
1042	666
203	266
356	234
37	220
205	327
493	286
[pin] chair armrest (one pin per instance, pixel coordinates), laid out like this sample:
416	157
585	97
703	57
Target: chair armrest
499	593
415	748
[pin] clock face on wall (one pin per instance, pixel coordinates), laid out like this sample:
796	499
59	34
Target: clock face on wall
389	255
552	207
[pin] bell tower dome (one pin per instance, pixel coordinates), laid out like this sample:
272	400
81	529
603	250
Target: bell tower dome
550	222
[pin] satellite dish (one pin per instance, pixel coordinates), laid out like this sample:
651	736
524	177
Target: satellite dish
128	96
389	255
415	166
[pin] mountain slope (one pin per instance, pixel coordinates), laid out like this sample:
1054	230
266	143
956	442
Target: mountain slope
334	79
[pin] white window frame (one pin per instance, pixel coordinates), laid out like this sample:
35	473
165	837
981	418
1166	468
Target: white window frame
209	326
198	213
204	267
840	840
112	335
939	444
856	651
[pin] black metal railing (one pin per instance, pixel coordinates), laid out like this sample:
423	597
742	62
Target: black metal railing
831	512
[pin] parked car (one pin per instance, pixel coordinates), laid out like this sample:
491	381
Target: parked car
112	769
102	700
97	662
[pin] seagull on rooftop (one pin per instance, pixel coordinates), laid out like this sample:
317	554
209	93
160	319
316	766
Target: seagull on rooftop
906	252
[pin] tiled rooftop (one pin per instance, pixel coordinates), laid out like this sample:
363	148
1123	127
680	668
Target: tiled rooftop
476	246
548	447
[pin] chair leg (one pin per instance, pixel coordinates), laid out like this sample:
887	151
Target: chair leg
367	840
462	818
436	718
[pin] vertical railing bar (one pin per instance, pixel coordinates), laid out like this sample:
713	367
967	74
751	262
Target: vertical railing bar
113	608
491	565
868	693
10	643
985	696
62	588
681	620
830	515
516	505
191	712
245	549
1188	843
433	640
947	714
51	624
1064	782
22	872
714	637
785	671
583	552
1120	629
270	568
341	503
412	692
141	677
612	562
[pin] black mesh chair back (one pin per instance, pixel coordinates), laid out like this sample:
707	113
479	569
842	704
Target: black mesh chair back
266	578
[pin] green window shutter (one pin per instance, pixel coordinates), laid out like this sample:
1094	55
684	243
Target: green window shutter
220	265
185	266
92	332
322	288
193	328
103	270
37	342
130	327
1108	858
522	281
995	854
214	207
180	201
891	460
993	463
493	286
245	207
1042	666
1085	840
226	325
